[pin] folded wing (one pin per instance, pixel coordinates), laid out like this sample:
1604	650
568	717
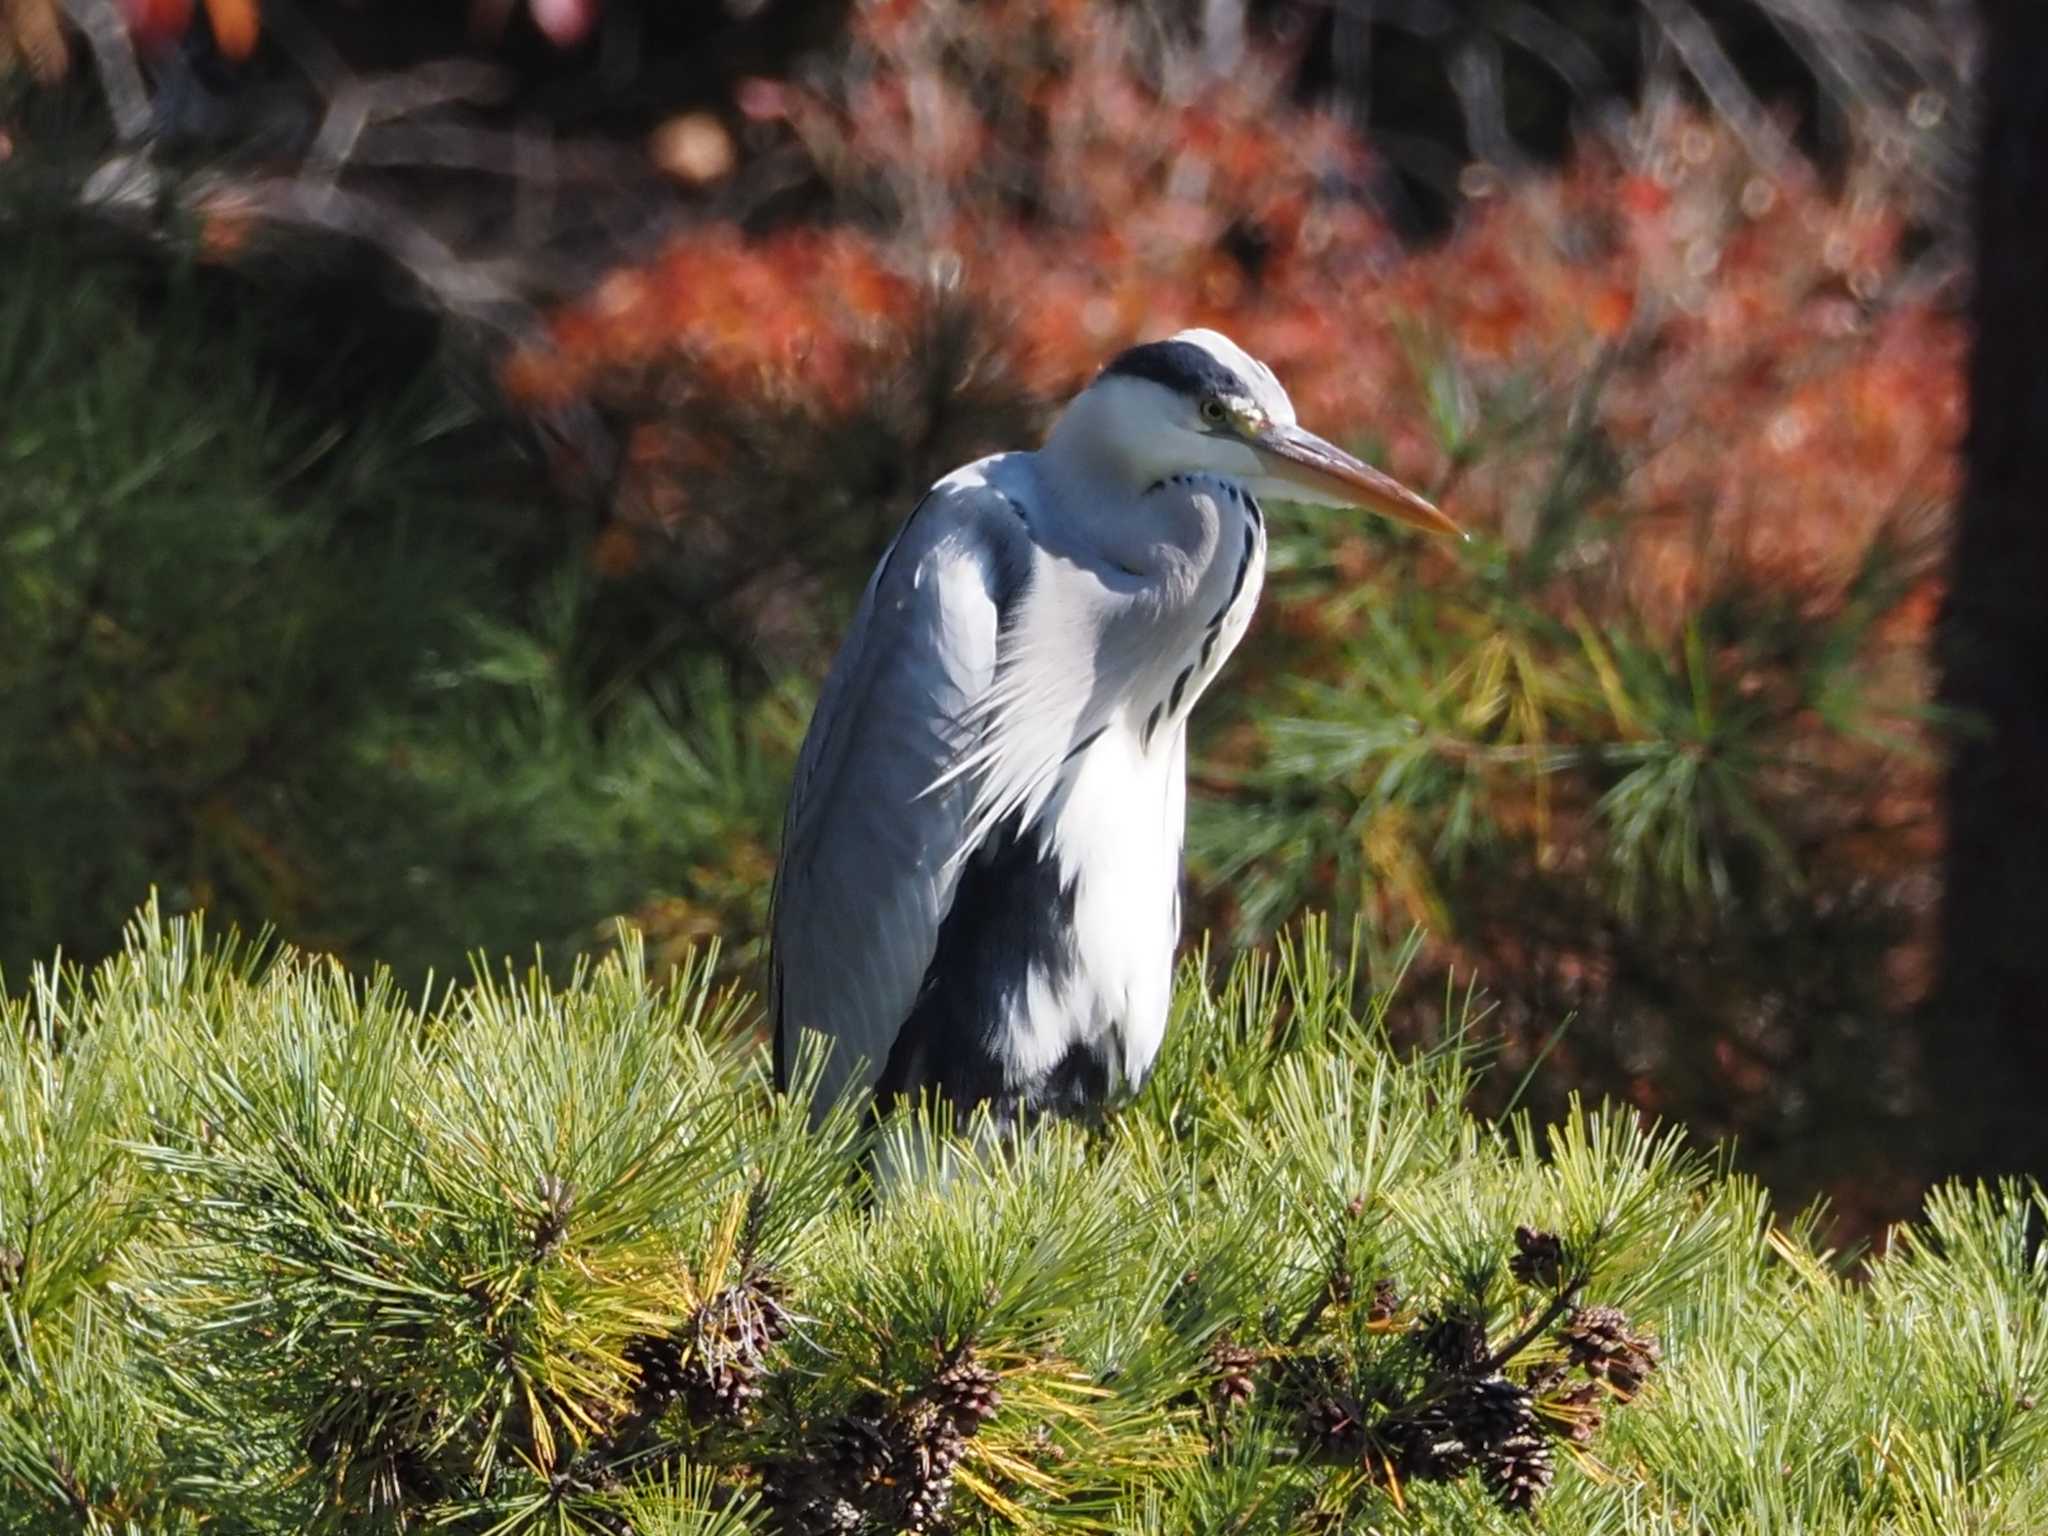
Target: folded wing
879	822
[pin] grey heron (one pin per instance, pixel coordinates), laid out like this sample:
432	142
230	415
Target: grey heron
978	895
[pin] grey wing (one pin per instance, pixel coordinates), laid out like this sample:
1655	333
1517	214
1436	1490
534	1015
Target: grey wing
871	848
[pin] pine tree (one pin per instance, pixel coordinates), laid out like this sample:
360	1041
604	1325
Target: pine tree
286	1251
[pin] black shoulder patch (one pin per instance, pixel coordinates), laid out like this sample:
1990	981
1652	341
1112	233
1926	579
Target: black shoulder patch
1180	366
1011	919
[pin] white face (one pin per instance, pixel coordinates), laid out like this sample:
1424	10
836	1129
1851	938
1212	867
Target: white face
1170	433
1232	420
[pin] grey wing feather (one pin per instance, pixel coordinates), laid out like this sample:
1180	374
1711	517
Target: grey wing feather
871	849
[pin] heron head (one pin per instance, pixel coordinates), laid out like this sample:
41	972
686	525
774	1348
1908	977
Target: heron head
1199	403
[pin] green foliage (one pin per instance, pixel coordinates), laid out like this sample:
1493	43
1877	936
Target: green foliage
1441	723
1638	824
281	1250
307	650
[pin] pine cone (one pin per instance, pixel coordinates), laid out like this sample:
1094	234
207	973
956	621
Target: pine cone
658	1358
1232	1369
967	1393
1454	1343
923	1477
936	1442
1582	1411
812	1514
1498	1419
729	1336
789	1485
1426	1445
1332	1419
884	1464
1600	1340
1488	1412
1335	1425
771	1302
1539	1258
1519	1470
925	1507
859	1449
1386	1301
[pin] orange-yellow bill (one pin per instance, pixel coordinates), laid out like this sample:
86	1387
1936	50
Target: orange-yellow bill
1329	474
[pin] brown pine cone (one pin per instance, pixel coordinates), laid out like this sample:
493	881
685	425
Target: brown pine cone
1489	1411
1539	1258
1232	1373
1454	1343
859	1446
658	1358
968	1393
729	1336
1426	1445
1519	1470
1582	1411
1386	1301
1334	1425
1601	1342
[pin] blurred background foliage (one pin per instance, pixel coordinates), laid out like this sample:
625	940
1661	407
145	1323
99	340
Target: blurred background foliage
593	354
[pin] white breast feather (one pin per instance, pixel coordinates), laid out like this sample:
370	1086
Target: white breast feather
1115	810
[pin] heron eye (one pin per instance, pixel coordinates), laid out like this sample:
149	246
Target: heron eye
1213	412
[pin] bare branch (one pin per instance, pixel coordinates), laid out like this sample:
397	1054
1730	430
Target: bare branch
1705	60
1476	78
113	56
465	286
357	103
528	156
1222	35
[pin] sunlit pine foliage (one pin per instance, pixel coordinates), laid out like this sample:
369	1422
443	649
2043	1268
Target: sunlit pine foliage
281	1251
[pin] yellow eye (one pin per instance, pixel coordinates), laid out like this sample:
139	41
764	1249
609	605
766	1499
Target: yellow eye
1214	413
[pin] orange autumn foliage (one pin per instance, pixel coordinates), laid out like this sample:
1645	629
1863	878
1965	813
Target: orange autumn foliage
795	313
1768	376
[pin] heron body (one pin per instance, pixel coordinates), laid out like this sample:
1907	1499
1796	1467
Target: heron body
979	890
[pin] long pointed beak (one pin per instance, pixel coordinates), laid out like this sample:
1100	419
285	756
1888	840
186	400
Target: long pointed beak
1331	476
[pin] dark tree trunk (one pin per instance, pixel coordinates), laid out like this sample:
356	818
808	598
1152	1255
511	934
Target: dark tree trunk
1988	1041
